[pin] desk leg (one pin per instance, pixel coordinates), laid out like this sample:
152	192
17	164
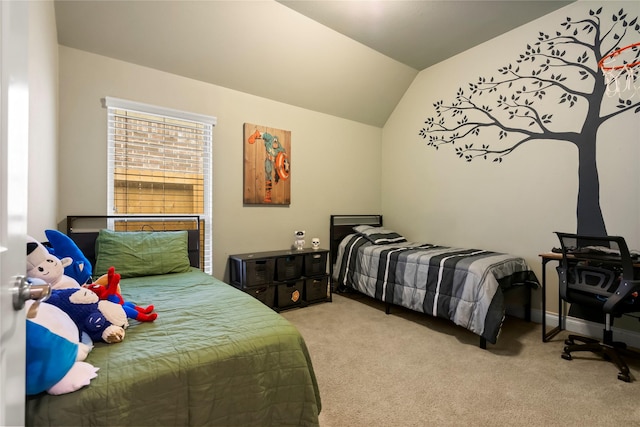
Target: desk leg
546	336
544	300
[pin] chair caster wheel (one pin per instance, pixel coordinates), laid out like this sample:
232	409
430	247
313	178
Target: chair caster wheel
566	356
624	377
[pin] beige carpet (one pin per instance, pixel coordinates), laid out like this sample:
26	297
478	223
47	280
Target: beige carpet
409	369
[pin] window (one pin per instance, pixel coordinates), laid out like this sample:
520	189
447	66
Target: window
159	163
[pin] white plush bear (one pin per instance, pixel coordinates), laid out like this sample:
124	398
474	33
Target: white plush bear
42	265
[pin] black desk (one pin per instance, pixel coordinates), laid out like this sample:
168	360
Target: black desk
553	256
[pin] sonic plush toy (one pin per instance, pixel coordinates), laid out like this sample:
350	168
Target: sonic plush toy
63	247
101	320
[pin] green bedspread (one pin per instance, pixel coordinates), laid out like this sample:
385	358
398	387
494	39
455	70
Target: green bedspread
214	356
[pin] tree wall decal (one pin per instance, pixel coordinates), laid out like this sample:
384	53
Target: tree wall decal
519	106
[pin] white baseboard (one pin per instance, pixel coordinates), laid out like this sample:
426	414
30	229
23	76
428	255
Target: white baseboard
587	328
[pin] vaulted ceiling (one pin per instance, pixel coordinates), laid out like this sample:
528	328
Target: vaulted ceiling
351	59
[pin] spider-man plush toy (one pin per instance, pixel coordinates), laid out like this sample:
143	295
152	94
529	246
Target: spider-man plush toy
109	292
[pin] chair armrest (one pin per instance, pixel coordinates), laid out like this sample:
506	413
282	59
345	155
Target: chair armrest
624	291
562	282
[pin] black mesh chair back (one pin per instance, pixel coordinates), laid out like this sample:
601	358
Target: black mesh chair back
593	267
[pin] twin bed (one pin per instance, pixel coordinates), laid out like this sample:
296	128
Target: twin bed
466	286
214	356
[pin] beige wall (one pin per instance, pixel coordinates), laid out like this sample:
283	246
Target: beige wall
326	153
514	206
43	119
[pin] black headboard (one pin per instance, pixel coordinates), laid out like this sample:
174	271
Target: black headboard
342	225
84	229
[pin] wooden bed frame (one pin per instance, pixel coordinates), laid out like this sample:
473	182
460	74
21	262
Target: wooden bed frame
342	225
84	229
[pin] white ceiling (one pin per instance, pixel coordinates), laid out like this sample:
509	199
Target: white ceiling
351	59
423	33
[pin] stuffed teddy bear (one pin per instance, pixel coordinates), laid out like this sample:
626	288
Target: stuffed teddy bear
54	353
42	265
63	247
107	287
102	320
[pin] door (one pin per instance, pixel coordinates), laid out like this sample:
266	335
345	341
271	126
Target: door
14	116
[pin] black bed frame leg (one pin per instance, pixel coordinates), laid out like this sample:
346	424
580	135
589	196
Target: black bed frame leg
483	343
527	305
387	308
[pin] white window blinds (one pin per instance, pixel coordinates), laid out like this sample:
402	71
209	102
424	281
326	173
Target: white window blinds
159	163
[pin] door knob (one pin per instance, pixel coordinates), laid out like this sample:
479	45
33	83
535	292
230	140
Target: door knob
25	290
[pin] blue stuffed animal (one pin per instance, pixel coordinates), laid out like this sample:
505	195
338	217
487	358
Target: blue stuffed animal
55	354
101	320
63	247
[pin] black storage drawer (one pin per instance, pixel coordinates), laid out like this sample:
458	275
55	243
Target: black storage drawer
266	294
316	288
290	294
315	264
289	267
253	272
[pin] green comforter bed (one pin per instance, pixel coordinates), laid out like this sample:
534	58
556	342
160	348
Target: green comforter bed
215	356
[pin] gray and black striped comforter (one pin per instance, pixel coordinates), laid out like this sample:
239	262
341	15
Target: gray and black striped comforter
462	285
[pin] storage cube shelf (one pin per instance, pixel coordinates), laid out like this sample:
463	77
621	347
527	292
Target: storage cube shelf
282	279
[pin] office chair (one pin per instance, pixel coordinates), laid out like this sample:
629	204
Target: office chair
597	272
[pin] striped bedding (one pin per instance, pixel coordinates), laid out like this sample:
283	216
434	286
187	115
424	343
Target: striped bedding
462	285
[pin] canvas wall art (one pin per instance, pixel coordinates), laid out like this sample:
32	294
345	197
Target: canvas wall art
267	165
